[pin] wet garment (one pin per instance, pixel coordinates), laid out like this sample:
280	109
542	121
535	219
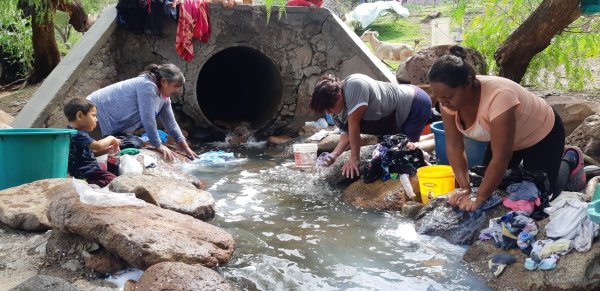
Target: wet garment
438	218
499	262
512	230
525	190
193	24
390	158
521	205
569	220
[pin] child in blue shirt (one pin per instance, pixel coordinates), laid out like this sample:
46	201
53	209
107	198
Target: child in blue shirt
81	114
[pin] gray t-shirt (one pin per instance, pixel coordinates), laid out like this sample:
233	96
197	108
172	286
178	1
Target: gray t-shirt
381	98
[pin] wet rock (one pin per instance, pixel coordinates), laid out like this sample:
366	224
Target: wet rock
42	282
6	118
104	262
64	246
587	137
164	168
24	207
410	209
277	140
307	131
174	194
333	174
574	271
388	195
72	265
329	143
572	111
285	150
180	276
143	236
415	69
438	218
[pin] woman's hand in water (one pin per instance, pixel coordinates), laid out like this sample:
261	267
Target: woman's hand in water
185	148
167	153
350	168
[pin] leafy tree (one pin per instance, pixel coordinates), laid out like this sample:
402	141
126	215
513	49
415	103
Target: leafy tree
522	40
39	16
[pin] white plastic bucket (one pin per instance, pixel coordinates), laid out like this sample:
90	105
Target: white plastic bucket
305	155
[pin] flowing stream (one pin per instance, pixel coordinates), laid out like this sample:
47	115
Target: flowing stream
294	233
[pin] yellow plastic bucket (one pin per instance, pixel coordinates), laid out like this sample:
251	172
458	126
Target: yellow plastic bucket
434	181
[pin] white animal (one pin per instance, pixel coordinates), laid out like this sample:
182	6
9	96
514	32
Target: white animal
387	50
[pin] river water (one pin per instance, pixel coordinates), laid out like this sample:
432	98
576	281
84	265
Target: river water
294	233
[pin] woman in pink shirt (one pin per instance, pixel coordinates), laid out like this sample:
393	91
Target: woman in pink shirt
519	126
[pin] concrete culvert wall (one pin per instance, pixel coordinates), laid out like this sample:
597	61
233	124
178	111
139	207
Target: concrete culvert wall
239	84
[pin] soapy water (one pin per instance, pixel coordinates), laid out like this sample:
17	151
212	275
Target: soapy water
292	232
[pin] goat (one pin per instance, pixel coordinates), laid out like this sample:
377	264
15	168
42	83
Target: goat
387	50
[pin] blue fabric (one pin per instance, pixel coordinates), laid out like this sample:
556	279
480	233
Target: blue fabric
81	158
523	191
134	103
161	134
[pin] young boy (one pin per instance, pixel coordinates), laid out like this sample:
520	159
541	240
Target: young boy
81	114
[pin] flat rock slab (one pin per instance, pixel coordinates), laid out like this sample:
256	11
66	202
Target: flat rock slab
173	194
329	143
42	282
24	207
180	276
574	271
144	236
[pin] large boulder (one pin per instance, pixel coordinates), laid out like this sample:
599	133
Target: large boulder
416	68
43	282
169	169
573	111
180	276
3	125
24	207
333	174
174	194
388	195
143	236
574	271
329	143
587	137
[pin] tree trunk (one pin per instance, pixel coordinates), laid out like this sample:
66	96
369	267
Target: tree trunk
534	35
45	50
46	55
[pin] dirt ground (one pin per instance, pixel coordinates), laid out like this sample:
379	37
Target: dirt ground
22	255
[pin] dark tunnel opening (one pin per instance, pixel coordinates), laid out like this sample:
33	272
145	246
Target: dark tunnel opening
239	84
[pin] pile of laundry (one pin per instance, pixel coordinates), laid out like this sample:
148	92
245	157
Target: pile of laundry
569	228
391	159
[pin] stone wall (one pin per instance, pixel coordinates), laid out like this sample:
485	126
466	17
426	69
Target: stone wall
303	45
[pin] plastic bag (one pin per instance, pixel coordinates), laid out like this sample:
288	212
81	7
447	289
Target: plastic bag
149	162
366	13
104	197
129	165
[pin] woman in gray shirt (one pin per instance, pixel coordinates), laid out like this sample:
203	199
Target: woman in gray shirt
129	105
361	104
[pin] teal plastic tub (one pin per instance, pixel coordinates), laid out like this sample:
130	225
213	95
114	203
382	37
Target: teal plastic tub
30	154
474	149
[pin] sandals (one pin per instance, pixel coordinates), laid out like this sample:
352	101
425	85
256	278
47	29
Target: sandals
577	180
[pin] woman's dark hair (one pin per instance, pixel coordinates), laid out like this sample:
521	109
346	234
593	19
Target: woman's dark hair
75	105
325	94
453	70
168	72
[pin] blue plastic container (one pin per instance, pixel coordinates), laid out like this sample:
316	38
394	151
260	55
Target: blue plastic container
474	149
30	154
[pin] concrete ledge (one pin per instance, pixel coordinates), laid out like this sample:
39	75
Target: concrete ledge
56	85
